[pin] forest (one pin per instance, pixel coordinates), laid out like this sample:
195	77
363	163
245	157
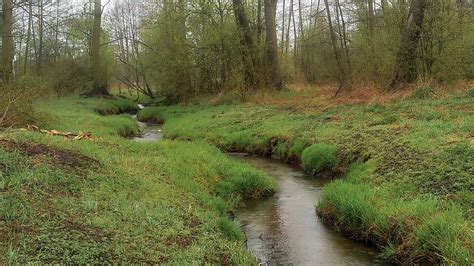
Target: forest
237	132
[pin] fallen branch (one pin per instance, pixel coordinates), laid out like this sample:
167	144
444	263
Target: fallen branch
68	135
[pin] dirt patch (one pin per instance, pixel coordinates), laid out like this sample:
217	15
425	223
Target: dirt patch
64	158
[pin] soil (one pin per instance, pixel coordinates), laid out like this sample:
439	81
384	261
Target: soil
63	158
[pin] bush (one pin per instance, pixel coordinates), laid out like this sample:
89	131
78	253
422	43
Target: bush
16	104
319	157
69	76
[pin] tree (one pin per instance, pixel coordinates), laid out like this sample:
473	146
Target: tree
342	75
405	68
7	40
248	42
272	43
99	83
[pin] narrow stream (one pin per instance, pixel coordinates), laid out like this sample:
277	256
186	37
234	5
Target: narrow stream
284	229
148	131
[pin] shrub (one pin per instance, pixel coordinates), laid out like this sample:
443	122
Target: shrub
16	103
319	157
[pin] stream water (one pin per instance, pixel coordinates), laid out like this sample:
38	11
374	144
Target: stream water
284	228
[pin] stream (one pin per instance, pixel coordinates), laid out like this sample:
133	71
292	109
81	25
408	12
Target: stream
284	229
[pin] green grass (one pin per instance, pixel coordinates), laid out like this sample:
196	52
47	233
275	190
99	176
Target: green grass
408	163
149	115
115	106
319	157
158	202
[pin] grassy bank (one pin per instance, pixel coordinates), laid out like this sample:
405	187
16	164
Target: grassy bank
112	200
409	163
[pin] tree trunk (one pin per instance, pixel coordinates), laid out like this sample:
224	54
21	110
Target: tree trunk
28	36
342	74
283	27
370	22
242	22
7	40
99	86
290	11
39	63
272	43
405	68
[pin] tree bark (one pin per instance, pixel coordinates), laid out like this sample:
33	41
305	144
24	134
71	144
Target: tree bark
7	40
28	36
283	27
99	86
405	68
272	43
337	54
248	42
39	63
290	11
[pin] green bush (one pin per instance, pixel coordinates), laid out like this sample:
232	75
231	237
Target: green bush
319	157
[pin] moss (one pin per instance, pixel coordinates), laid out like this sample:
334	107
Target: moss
319	157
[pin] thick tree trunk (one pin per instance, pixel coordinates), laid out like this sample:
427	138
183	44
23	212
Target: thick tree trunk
99	85
7	40
272	43
248	42
405	71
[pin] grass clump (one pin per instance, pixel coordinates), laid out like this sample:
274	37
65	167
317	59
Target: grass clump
116	106
409	232
319	157
150	115
423	93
